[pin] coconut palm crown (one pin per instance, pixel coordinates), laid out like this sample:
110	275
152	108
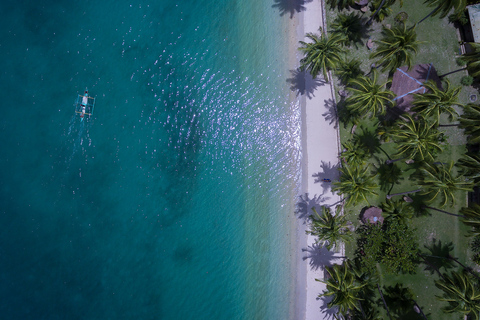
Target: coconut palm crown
324	53
436	101
396	48
469	166
329	229
461	294
416	139
439	180
471	218
350	26
470	121
473	60
368	97
356	184
343	286
443	7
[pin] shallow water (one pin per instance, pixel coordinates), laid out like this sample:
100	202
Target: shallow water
174	200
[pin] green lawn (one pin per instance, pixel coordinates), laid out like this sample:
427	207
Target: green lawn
440	47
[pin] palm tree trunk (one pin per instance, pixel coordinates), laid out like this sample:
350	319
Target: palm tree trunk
384	303
449	125
421	311
464	267
428	15
369	22
394	160
389	196
379	148
454	71
442	211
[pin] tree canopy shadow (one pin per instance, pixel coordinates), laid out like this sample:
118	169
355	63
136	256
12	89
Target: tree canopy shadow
331	114
319	257
368	139
303	83
400	302
388	175
290	6
346	115
328	171
438	256
419	202
304	205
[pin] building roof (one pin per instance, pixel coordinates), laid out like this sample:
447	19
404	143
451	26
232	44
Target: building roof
405	83
474	14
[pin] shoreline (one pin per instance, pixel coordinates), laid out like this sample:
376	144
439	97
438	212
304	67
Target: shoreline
320	150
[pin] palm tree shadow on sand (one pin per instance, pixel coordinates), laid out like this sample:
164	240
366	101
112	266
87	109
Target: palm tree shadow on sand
305	204
331	113
329	172
290	6
319	257
302	83
329	313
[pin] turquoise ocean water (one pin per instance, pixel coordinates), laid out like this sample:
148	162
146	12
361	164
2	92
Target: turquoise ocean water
175	199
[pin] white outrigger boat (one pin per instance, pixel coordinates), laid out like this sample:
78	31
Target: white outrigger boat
84	105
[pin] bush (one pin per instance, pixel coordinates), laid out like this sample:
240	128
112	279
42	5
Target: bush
461	18
401	17
466	81
460	62
394	245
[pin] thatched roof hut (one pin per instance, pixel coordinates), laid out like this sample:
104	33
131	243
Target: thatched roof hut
372	215
405	83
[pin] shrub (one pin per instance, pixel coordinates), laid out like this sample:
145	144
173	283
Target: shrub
466	81
401	17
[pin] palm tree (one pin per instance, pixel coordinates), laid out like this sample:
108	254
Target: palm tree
469	167
353	154
378	6
356	183
416	139
470	121
473	60
322	54
436	101
329	229
439	180
398	209
350	26
471	218
461	294
344	288
396	48
443	7
349	70
368	96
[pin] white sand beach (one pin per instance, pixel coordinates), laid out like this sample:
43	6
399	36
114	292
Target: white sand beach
320	146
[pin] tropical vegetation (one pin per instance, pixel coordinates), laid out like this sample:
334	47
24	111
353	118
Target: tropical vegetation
410	163
322	54
396	48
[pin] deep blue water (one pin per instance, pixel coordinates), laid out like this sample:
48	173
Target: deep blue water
174	200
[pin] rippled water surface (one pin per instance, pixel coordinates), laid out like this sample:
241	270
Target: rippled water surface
174	200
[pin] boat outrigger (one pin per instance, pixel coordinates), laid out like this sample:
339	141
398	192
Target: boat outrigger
84	105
